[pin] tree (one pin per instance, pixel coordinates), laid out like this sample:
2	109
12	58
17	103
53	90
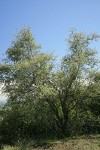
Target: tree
31	80
23	72
24	68
64	91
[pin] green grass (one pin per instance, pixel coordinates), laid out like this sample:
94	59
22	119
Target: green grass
75	143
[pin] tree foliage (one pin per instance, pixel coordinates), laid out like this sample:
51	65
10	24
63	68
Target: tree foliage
43	100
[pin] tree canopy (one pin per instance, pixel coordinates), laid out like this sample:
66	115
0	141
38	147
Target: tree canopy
46	100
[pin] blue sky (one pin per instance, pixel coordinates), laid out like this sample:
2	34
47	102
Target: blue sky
49	20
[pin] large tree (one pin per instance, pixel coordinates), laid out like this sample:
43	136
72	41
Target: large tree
25	69
67	86
30	78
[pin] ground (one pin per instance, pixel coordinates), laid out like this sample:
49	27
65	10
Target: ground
76	143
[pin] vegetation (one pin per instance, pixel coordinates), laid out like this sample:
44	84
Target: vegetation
46	102
83	143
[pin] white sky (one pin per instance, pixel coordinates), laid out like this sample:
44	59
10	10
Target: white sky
3	97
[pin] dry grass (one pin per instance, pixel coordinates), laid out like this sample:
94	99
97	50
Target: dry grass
80	143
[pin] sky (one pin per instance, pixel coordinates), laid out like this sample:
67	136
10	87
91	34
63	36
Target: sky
50	21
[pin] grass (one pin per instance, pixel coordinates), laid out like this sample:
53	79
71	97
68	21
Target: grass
75	143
